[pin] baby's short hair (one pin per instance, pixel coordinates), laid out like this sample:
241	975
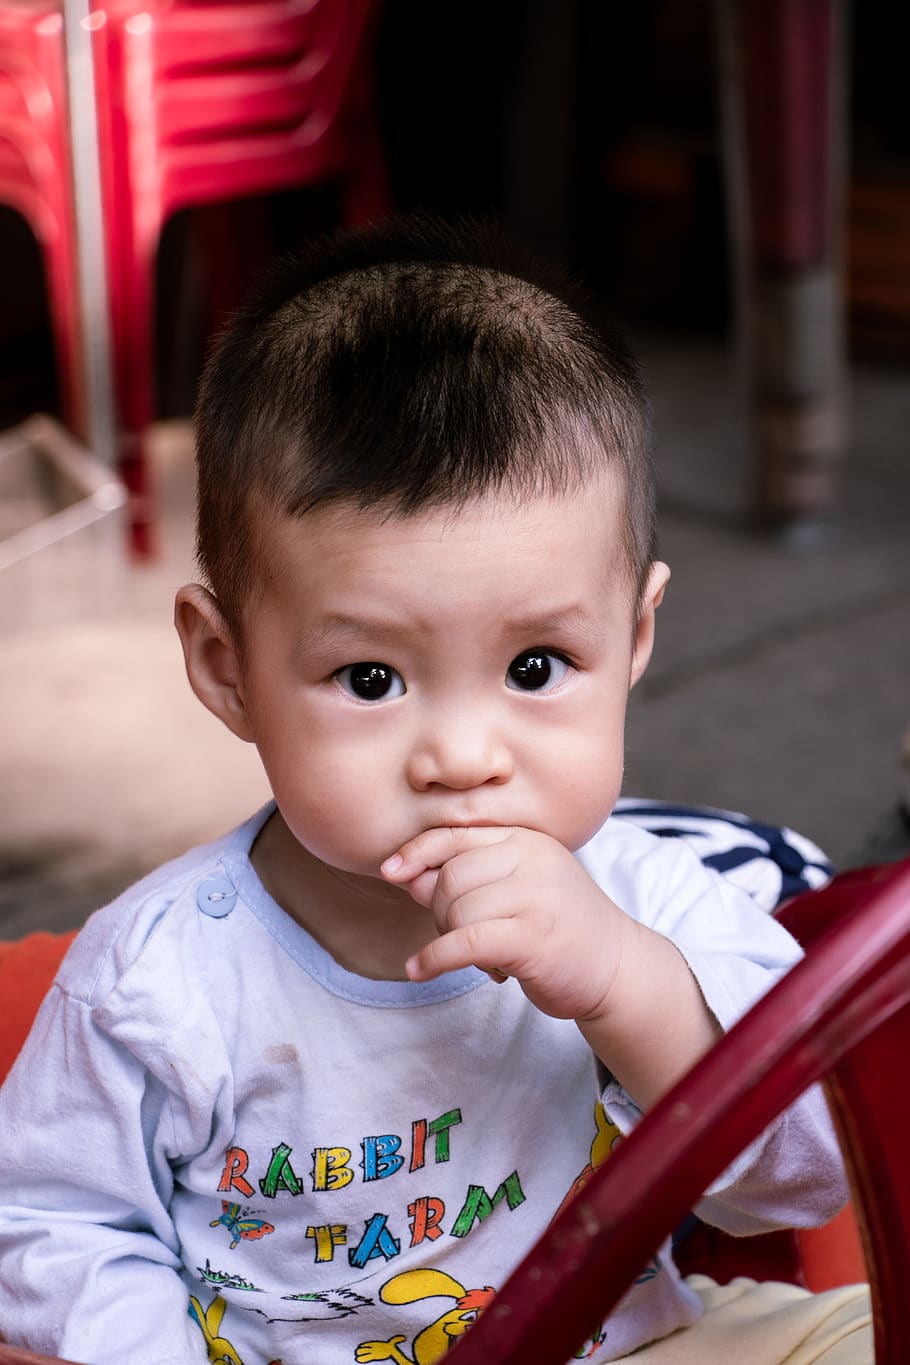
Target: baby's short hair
415	364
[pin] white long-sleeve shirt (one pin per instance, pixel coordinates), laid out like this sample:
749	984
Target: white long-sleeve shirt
217	1141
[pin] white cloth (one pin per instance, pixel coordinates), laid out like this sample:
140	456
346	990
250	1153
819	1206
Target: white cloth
770	1324
327	1168
769	862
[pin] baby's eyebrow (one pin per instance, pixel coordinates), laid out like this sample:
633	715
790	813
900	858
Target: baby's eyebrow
572	620
338	628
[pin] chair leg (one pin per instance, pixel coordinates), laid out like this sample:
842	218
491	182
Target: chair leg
62	288
234	242
782	86
365	192
366	195
132	333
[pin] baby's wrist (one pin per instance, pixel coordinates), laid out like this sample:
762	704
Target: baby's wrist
619	974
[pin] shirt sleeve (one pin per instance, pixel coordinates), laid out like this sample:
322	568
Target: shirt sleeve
793	1174
88	1252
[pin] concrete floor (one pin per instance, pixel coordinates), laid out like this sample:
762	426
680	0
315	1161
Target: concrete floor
780	683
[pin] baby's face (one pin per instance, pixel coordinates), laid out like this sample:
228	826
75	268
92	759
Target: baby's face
442	669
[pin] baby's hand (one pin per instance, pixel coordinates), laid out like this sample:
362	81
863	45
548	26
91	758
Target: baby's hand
515	903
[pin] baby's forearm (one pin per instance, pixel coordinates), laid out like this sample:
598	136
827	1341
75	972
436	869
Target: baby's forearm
655	1023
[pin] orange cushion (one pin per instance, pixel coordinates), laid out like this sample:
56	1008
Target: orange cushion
27	968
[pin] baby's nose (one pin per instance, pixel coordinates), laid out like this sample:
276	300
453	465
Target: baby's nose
460	753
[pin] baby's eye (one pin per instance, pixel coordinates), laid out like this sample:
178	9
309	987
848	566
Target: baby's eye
371	681
536	671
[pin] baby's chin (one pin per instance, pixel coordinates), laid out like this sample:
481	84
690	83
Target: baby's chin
354	871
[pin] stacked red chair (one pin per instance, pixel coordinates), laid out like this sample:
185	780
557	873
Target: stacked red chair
198	102
35	174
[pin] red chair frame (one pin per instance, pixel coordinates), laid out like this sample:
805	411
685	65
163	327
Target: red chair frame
842	1014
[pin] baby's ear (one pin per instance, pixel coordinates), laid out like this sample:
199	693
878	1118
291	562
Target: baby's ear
644	631
211	657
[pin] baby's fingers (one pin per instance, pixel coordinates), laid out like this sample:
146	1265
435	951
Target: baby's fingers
423	887
490	945
434	847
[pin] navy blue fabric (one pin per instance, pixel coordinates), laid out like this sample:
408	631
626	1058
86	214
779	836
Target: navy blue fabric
774	862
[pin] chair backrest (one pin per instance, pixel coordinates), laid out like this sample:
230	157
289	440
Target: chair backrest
27	968
223	99
843	1013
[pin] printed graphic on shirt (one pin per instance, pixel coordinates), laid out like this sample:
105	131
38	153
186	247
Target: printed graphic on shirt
383	1236
441	1333
221	1351
387	1232
323	1305
318	1305
605	1142
241	1223
221	1279
382	1155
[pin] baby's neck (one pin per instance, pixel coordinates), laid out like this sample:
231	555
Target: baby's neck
369	927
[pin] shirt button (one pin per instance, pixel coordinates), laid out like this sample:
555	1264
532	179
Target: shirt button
216	897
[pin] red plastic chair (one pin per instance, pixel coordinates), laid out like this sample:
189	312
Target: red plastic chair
843	1013
35	171
199	102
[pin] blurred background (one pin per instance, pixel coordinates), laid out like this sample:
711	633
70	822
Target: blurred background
733	176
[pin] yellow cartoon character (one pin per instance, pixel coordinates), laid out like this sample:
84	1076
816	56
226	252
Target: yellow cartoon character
220	1350
605	1140
435	1340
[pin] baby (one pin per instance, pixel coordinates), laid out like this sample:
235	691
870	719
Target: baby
308	1094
